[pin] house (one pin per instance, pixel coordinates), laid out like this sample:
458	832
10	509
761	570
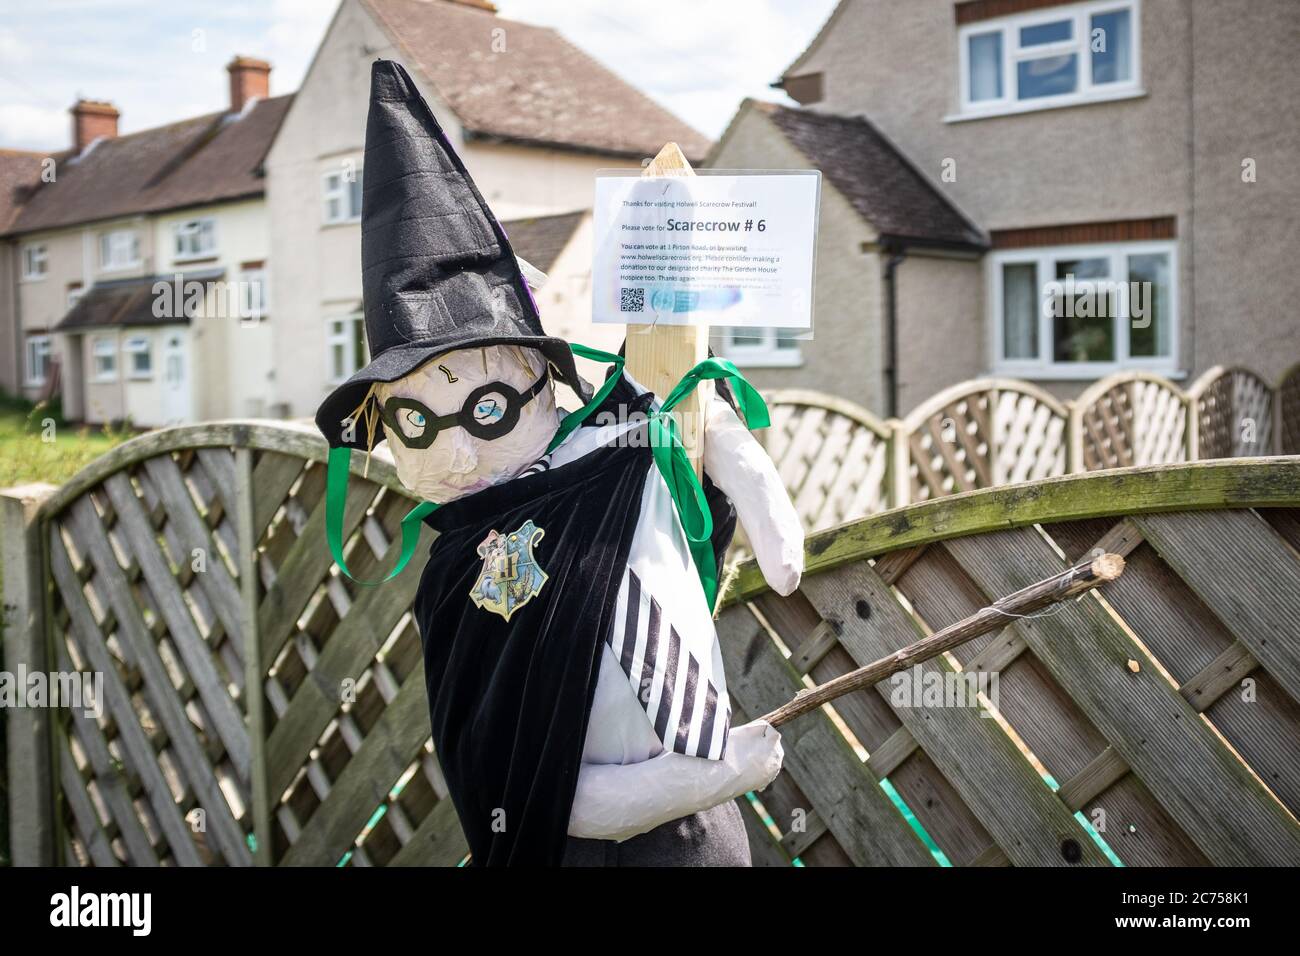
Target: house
1040	189
20	173
532	117
142	264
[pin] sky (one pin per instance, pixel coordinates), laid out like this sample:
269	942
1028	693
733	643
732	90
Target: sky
160	61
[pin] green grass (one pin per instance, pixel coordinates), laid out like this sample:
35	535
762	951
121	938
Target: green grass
36	444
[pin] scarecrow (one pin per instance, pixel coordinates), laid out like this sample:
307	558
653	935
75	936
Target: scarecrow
576	690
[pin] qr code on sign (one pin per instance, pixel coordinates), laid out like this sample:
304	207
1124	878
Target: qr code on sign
632	300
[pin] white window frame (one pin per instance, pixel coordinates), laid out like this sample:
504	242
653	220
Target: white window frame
1080	44
111	245
1044	367
335	185
346	337
74	295
133	346
200	226
765	355
35	253
103	346
38	352
254	308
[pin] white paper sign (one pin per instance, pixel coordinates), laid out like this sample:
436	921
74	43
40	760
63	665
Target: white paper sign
705	250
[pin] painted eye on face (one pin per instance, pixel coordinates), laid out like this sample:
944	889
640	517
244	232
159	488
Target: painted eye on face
412	423
488	411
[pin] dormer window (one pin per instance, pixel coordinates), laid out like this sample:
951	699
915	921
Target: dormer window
1057	57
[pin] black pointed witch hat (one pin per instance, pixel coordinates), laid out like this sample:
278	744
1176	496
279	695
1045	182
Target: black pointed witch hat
438	272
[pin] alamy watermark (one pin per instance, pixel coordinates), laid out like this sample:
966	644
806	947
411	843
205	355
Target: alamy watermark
72	689
940	688
1073	298
178	297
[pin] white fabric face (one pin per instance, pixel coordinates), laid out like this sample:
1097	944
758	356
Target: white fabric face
458	464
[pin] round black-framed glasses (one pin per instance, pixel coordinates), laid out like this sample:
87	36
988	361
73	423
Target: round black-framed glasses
487	413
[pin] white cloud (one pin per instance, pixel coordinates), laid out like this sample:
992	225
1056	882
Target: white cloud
24	126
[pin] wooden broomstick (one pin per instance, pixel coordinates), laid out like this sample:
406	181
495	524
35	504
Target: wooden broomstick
1082	577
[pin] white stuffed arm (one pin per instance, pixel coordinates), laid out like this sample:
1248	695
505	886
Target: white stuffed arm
616	802
739	466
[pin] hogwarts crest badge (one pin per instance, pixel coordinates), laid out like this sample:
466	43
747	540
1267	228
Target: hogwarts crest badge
510	576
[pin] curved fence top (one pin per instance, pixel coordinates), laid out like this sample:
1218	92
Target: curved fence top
289	438
955	393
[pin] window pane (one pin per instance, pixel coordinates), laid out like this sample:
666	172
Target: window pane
1053	32
746	338
1019	315
356	196
986	67
1111	42
1149	312
360	356
787	338
1083	328
1047	76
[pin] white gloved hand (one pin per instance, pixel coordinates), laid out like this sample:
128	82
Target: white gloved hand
616	802
739	466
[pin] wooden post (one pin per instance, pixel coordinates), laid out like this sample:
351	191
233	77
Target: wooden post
898	489
28	730
254	698
1074	439
1192	432
658	355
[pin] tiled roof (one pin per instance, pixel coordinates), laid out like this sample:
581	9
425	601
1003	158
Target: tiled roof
128	303
20	171
880	183
541	89
541	239
197	161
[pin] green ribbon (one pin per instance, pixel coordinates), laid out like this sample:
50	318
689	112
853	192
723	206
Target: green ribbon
574	419
665	442
336	499
678	472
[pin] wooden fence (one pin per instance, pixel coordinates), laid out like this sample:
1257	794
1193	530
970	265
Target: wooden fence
1156	725
259	708
841	462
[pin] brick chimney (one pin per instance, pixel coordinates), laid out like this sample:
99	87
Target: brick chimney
249	79
92	120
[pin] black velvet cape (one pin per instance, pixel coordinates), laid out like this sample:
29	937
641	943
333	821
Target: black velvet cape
509	700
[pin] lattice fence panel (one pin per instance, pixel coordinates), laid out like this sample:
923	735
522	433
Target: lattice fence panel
148	567
1235	415
145	593
1029	438
1131	420
1289	408
950	449
1107	429
833	457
